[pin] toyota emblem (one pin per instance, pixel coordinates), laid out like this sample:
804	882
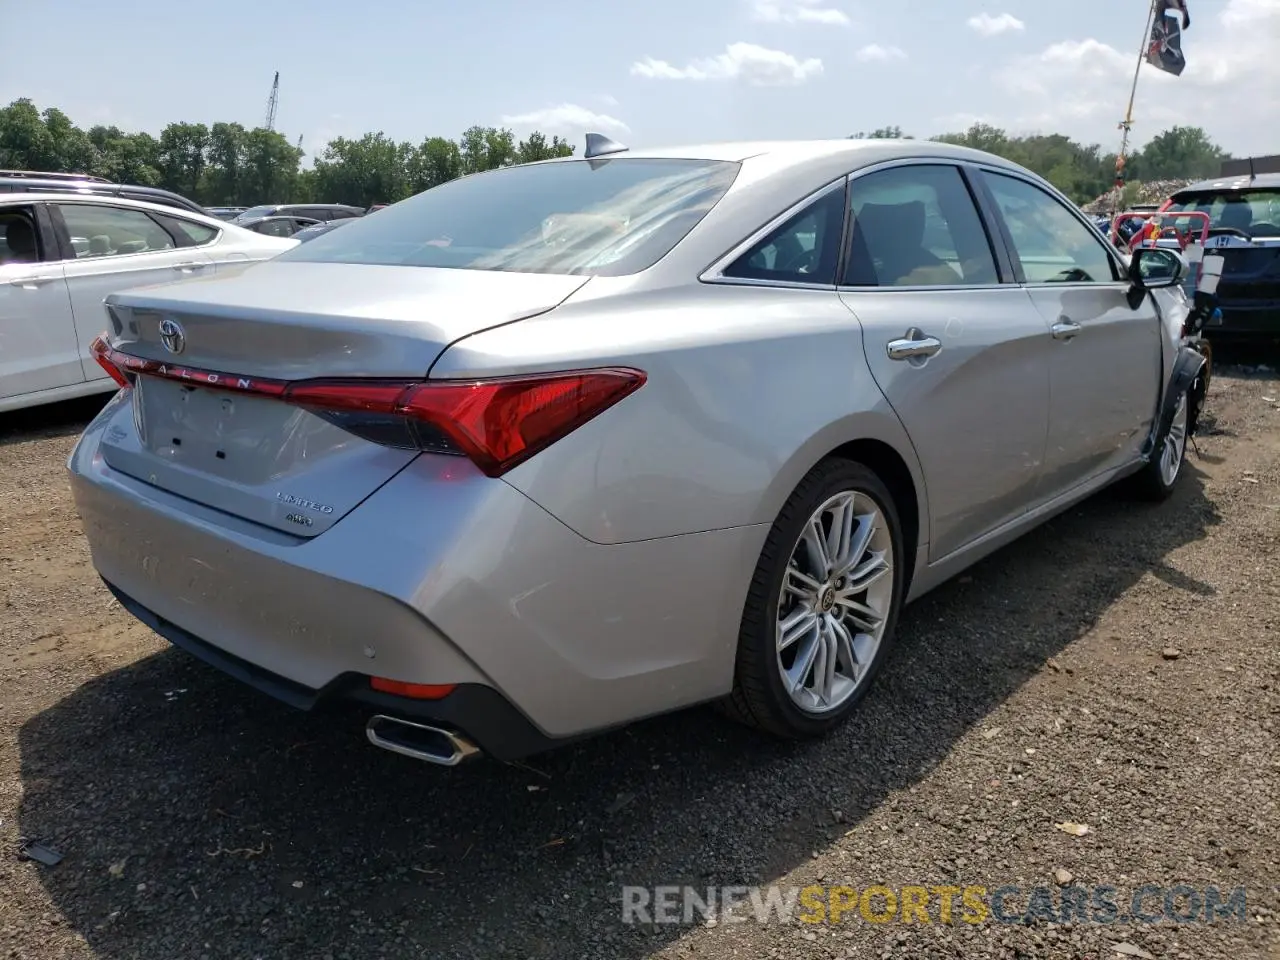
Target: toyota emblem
171	335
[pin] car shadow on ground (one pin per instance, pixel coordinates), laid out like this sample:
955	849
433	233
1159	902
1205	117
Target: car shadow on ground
64	419
199	818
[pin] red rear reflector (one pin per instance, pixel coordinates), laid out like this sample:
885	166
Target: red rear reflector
418	691
497	422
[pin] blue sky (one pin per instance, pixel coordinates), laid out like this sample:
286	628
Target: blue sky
662	71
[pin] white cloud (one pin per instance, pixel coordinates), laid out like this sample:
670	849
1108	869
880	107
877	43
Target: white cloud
875	53
753	64
1081	87
567	117
608	100
989	26
797	11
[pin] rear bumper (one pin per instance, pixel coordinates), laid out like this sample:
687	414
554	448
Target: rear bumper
441	576
476	710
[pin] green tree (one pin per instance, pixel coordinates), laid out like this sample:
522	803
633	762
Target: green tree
486	148
269	168
1179	152
25	143
225	164
881	133
370	170
182	157
437	160
538	147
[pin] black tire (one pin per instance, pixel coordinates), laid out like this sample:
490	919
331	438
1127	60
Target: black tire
1151	482
759	698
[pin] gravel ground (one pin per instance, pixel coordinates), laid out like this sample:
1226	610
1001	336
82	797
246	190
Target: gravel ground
1118	668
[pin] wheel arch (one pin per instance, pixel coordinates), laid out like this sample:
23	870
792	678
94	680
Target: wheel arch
890	467
878	441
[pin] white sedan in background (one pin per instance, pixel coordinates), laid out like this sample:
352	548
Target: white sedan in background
60	255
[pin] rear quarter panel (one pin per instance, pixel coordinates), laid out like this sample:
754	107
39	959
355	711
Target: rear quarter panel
748	388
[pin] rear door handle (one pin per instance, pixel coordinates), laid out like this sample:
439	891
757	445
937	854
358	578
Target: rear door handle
30	282
189	267
914	345
1065	329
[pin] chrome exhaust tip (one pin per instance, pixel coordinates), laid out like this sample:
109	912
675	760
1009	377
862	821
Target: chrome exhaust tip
420	741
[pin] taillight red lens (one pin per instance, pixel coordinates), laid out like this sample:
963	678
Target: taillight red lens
102	353
500	423
497	423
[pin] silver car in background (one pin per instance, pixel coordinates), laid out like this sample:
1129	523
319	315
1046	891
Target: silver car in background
548	449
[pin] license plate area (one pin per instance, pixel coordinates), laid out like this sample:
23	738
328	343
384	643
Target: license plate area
230	435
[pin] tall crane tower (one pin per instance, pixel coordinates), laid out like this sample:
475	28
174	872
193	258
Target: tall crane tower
273	101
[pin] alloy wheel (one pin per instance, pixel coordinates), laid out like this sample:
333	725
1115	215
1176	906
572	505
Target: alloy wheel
1175	443
835	601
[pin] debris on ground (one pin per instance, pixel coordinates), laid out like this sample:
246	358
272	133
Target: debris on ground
39	852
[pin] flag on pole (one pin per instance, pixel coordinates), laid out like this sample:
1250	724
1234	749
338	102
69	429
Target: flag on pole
1164	50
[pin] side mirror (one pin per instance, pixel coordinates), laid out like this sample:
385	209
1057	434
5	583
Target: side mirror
1151	268
1154	267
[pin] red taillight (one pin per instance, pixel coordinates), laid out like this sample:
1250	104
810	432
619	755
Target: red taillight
102	353
417	691
498	422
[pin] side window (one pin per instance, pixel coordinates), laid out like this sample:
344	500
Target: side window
102	231
19	238
186	232
916	226
803	250
1051	242
277	228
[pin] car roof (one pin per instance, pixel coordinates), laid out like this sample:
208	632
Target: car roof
799	152
1261	181
42	196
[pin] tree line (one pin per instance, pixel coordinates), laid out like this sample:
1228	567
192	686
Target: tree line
227	164
1085	171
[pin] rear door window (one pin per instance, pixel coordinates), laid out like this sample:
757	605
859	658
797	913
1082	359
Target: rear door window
916	225
19	238
98	230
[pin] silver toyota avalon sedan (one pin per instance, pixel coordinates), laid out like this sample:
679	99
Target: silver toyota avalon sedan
548	449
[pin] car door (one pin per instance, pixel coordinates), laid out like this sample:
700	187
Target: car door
110	248
1105	371
38	345
961	356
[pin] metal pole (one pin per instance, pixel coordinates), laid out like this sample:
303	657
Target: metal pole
1127	124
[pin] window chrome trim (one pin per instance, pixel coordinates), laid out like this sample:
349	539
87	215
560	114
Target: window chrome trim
715	272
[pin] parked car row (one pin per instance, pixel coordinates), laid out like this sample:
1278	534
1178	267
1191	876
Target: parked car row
547	449
62	254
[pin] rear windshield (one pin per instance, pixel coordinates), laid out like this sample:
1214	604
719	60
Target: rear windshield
608	217
1255	213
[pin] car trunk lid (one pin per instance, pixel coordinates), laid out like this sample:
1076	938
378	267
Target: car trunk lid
204	424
